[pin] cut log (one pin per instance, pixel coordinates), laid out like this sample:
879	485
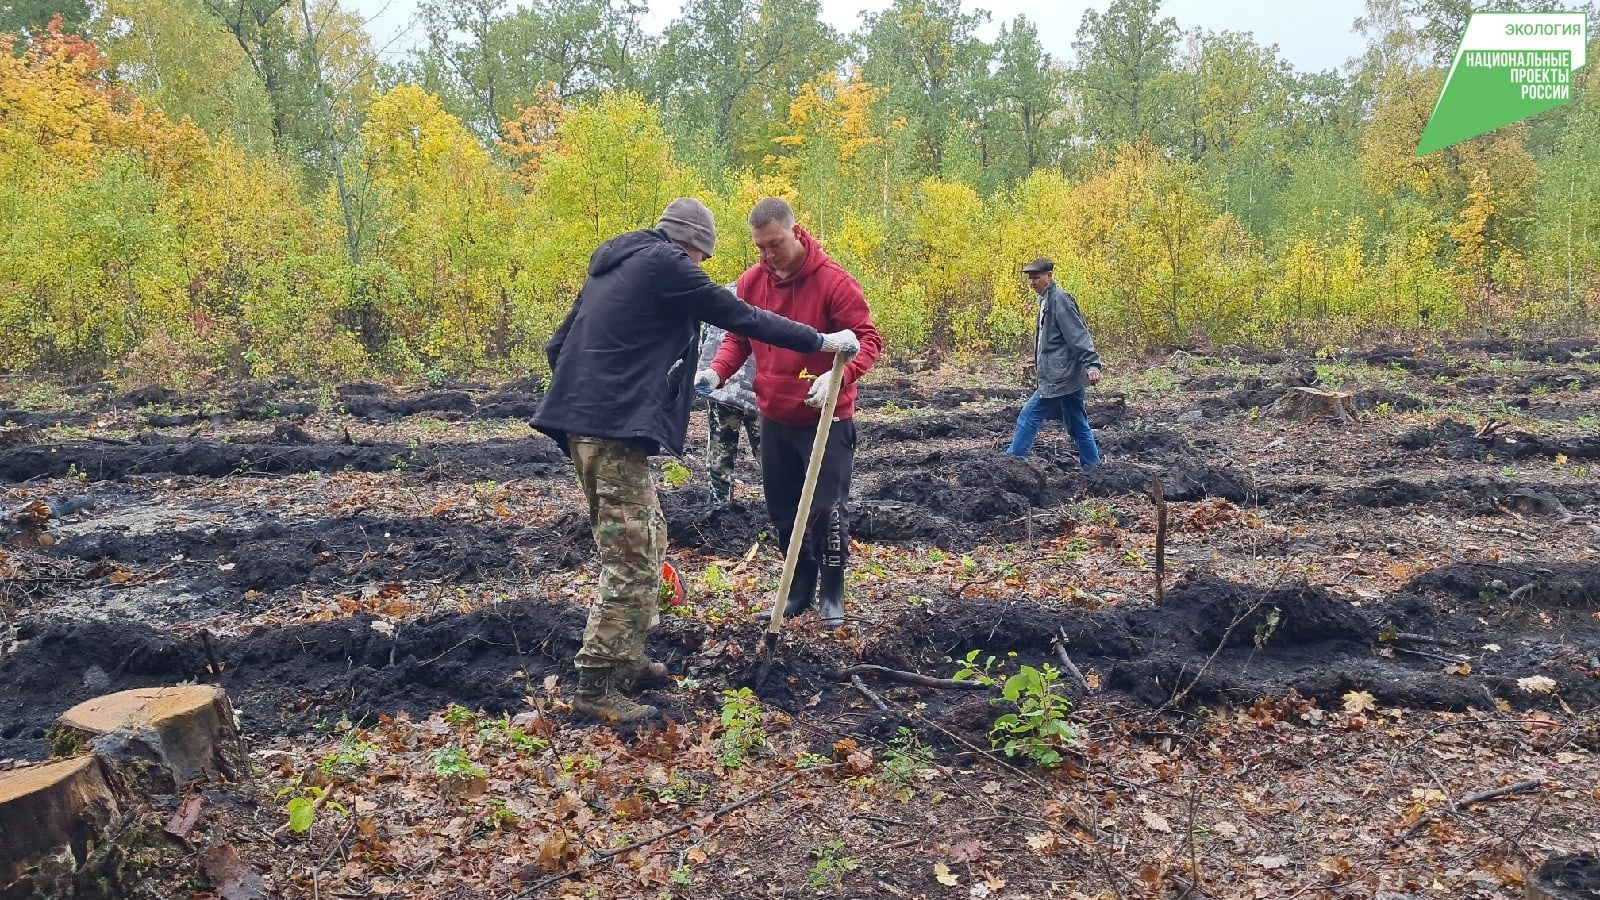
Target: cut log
187	729
1574	877
51	815
1305	404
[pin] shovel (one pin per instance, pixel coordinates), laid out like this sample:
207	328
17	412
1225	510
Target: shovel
819	444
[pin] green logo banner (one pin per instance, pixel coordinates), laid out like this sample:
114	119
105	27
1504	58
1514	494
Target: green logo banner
1509	66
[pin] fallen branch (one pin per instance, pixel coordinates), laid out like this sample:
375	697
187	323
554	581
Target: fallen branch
601	858
1518	788
1060	643
1436	657
914	679
1422	639
872	698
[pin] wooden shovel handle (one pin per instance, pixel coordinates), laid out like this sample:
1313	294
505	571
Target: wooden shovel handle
819	445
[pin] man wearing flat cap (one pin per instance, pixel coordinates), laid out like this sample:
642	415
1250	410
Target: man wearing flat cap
1065	364
622	369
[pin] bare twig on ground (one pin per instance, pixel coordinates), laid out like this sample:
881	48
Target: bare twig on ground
602	858
1491	794
914	679
1060	644
872	698
1194	855
338	845
1423	639
1436	657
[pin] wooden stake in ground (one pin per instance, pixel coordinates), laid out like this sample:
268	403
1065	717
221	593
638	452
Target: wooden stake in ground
1161	538
189	728
1305	404
46	811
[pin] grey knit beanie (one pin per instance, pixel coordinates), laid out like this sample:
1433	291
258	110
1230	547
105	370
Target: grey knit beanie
688	221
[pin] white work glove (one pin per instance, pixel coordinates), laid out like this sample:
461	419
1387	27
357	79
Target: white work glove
841	342
819	390
706	381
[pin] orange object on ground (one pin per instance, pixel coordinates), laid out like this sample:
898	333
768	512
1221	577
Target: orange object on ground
672	593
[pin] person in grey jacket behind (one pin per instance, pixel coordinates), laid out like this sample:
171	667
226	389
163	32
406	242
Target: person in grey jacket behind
1065	364
733	407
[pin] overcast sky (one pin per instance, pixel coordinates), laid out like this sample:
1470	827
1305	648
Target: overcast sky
1312	36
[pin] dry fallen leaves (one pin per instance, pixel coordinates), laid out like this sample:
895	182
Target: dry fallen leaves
943	875
1356	702
1537	684
1043	842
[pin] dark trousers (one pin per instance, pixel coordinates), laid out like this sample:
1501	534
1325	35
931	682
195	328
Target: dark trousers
785	453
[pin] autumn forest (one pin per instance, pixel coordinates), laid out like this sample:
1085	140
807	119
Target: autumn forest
204	189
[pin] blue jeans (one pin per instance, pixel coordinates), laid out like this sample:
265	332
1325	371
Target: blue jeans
1070	410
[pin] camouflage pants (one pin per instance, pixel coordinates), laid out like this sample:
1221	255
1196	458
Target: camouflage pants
630	535
722	448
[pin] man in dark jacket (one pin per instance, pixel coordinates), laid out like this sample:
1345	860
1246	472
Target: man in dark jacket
622	370
1065	364
797	279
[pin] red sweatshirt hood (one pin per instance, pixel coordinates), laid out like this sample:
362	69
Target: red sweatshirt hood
815	258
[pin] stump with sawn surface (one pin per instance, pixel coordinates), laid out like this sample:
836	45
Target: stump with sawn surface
49	815
1305	404
187	729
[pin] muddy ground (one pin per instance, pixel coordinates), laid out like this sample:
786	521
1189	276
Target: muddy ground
363	551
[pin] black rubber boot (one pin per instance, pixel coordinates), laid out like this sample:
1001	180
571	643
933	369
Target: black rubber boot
835	552
802	592
830	600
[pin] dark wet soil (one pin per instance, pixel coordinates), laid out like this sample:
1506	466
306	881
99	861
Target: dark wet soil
284	680
935	476
1454	439
1214	641
288	450
1210	641
288	401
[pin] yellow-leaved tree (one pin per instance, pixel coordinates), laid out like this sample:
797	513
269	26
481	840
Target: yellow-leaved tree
434	238
612	170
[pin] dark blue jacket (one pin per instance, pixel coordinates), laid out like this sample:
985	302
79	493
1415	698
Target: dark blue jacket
623	362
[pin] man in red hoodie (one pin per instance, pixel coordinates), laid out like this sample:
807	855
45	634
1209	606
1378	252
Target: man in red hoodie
795	278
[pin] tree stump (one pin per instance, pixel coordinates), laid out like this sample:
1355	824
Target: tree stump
50	816
1575	877
1305	404
188	730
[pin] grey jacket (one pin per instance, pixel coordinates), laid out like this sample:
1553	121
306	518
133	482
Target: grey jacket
738	391
1063	350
